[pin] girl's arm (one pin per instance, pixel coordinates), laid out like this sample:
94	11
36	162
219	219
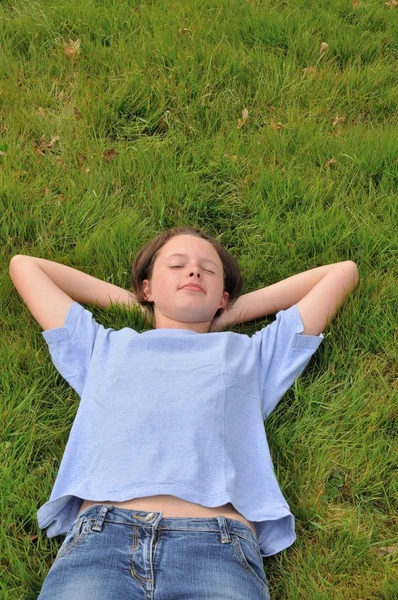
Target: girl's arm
282	295
49	288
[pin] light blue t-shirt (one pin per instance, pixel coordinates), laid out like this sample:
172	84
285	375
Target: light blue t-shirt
173	411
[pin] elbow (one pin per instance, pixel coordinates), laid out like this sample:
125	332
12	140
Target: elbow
355	274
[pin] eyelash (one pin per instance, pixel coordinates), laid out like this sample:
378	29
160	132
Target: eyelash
179	267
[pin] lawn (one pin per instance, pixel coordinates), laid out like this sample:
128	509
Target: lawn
271	125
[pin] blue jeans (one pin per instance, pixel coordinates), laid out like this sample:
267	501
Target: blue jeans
112	553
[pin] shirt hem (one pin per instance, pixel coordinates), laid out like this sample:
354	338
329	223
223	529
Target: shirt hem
60	501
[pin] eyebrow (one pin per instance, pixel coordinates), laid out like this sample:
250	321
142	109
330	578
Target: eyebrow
184	256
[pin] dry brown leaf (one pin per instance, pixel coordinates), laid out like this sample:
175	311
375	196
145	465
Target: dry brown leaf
41	111
109	155
42	145
72	49
386	550
330	163
77	113
309	70
392	3
81	158
63	96
54	139
324	48
337	120
243	120
277	126
356	3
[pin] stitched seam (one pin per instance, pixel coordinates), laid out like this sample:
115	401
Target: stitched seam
245	564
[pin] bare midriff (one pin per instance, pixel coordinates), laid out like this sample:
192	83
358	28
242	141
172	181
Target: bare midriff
171	506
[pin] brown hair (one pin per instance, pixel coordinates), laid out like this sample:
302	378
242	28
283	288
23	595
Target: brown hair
144	262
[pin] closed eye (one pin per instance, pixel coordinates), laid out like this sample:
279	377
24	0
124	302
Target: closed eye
180	267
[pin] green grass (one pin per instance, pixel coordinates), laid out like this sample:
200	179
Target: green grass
164	86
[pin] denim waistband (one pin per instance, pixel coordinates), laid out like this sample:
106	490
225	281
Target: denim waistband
99	513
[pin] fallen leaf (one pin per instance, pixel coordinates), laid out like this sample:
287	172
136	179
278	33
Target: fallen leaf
81	158
309	70
386	550
72	49
356	3
77	113
330	163
392	3
42	145
337	120
324	48
109	155
41	111
277	126
63	96
54	139
243	120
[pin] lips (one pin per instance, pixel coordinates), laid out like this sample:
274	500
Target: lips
193	287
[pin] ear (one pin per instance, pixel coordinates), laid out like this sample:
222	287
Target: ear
224	300
146	290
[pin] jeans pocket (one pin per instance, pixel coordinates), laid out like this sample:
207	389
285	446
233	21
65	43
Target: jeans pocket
76	534
250	559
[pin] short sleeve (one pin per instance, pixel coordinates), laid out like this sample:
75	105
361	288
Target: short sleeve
71	347
283	354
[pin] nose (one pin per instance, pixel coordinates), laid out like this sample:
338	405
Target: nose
194	271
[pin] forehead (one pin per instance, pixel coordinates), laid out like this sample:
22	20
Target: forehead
191	246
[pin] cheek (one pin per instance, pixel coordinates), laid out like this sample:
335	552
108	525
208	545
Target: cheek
164	283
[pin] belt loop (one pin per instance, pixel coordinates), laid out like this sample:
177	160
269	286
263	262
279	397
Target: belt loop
99	522
225	536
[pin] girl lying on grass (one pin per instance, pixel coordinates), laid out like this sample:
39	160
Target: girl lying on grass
167	484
